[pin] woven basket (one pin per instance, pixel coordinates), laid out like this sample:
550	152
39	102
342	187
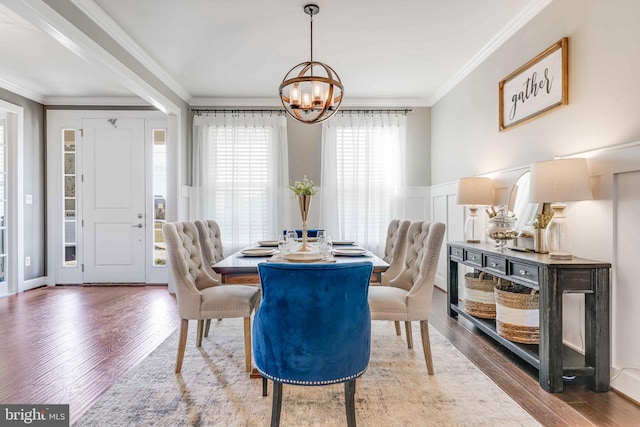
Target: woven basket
517	312
479	299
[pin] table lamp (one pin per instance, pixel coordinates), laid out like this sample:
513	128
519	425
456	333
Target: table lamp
558	181
474	191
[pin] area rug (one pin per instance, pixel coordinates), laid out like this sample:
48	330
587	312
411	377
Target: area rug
214	390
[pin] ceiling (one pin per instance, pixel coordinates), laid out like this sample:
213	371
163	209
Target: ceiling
236	52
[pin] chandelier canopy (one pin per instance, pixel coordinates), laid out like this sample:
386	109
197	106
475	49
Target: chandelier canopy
311	92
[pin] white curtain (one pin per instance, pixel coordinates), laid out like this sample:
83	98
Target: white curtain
363	176
241	175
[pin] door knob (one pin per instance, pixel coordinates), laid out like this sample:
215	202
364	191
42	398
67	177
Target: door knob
140	215
138	225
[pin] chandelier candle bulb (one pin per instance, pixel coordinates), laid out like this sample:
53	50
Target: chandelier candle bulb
317	95
294	95
306	100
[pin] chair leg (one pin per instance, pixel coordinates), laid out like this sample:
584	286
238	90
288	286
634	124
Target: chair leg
247	343
182	344
277	404
350	404
407	327
264	387
398	332
426	345
199	333
207	325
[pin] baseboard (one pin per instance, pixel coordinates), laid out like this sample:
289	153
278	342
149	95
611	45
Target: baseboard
34	283
627	383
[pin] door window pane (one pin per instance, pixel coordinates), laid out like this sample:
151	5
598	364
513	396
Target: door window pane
70	223
159	194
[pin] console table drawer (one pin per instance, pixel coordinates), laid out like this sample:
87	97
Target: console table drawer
524	272
457	253
497	264
473	258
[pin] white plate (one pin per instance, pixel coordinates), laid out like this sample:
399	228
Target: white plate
303	257
343	242
350	252
258	252
268	243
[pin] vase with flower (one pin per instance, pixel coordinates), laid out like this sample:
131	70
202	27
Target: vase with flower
304	190
540	229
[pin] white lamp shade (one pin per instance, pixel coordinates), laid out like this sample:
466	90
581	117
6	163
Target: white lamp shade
474	191
560	180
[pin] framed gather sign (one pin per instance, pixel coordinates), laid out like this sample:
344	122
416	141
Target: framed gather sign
537	87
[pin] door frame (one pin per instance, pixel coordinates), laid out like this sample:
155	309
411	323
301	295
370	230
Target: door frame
72	119
14	187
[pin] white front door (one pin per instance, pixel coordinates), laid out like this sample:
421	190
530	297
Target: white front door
113	190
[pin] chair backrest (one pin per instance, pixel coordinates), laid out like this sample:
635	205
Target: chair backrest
211	244
395	249
184	257
424	240
313	326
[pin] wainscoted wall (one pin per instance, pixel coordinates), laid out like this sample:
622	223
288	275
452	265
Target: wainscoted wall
604	229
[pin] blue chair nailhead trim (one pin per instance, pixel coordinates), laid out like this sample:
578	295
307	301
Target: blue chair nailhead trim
322	382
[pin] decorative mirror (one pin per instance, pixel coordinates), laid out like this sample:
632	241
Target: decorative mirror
524	211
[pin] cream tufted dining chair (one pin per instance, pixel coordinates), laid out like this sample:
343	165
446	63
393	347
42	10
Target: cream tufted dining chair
199	295
212	252
394	250
408	296
211	244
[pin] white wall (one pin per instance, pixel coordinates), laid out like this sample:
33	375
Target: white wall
604	59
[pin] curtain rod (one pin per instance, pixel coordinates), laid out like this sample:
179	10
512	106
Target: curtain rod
199	111
374	111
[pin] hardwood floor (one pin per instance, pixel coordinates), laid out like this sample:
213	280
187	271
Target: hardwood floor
69	344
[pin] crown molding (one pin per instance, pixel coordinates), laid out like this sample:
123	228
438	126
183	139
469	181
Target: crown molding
104	21
498	40
275	102
19	90
115	101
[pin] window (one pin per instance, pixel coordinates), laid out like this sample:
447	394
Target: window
363	168
241	175
159	194
70	205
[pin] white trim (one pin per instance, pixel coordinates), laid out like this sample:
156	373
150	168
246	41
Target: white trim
111	101
19	90
43	17
15	197
35	283
498	40
275	102
104	21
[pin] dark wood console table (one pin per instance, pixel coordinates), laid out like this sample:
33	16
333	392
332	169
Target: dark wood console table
551	357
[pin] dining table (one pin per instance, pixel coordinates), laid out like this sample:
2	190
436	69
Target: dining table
241	267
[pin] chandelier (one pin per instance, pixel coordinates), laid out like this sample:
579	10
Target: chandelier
311	92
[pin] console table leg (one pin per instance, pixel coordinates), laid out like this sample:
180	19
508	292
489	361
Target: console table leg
550	375
452	287
597	353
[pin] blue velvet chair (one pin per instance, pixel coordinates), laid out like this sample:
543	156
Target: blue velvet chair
313	327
